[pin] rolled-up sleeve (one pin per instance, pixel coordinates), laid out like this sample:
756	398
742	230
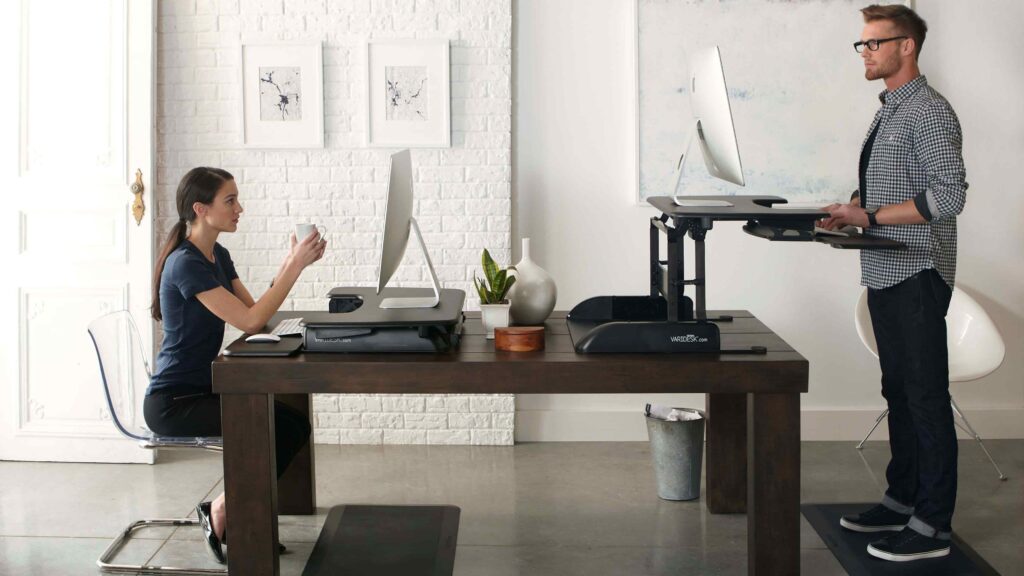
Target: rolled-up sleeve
938	146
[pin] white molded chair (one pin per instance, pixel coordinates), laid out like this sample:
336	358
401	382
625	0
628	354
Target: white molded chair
975	350
124	371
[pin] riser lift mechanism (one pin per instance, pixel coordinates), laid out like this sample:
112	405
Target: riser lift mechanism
666	320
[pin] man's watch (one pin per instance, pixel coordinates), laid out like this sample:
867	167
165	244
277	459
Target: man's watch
872	221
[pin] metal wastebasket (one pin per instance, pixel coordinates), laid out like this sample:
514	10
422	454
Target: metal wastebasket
677	449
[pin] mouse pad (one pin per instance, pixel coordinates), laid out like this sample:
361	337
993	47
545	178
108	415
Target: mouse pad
286	347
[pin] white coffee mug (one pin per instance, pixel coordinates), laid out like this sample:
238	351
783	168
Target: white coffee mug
302	231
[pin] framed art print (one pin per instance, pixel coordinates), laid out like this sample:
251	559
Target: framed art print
282	95
408	94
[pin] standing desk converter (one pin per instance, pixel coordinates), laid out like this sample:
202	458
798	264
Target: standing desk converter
753	426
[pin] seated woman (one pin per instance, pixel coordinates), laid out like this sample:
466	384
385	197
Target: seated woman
195	291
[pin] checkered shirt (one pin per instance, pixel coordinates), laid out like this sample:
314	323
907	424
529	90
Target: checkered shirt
916	156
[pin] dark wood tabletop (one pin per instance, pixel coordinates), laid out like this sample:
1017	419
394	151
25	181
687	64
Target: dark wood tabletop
558	369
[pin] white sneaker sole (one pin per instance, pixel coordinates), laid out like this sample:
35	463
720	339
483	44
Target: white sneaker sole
906	557
859	528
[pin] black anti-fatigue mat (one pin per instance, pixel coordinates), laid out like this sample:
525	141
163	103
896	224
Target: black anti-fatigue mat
386	541
850	548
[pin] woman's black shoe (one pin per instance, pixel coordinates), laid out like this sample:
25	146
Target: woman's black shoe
212	542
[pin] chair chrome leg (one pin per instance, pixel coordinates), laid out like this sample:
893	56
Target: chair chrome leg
877	422
105	565
970	430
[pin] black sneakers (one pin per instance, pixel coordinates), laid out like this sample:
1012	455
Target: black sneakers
877	519
908	545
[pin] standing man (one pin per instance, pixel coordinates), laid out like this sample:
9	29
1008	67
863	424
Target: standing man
911	189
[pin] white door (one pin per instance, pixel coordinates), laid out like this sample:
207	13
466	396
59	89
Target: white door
76	119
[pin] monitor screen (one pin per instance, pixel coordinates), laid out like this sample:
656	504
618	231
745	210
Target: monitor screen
397	213
709	99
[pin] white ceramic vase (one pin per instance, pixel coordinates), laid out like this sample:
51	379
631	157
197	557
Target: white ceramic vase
534	293
494	316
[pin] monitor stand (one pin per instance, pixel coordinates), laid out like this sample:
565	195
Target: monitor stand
417	302
693	201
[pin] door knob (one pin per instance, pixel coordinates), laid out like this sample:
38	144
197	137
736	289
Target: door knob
138	207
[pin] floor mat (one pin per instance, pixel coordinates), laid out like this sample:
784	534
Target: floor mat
386	541
850	548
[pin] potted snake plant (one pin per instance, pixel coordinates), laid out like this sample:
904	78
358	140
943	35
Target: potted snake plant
493	292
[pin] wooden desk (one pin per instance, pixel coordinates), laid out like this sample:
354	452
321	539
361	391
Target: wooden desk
753	428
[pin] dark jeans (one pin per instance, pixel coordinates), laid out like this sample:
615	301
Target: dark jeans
198	414
909	321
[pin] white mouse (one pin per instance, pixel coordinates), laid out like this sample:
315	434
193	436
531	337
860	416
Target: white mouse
261	338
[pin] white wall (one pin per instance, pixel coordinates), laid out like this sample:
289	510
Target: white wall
463	193
573	176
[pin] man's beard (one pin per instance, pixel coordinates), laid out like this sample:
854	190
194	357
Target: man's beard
883	69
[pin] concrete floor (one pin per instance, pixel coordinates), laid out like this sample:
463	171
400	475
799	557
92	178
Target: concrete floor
536	509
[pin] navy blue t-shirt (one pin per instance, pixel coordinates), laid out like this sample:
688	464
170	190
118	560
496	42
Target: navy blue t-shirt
192	334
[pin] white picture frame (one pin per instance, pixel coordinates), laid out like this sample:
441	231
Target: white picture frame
282	94
408	93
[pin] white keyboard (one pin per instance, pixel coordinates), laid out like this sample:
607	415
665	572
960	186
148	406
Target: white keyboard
288	327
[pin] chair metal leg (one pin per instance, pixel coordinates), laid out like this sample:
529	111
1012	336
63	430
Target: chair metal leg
970	430
877	422
105	564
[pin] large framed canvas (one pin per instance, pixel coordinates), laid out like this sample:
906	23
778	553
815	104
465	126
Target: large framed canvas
800	103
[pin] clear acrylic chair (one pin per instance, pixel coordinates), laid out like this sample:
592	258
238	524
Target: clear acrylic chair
976	349
125	374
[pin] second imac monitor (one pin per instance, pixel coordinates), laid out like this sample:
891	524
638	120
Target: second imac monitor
398	222
712	119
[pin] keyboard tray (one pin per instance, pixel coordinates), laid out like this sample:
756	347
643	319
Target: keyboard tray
851	242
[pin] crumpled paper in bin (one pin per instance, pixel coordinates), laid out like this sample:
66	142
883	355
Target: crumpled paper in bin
670	414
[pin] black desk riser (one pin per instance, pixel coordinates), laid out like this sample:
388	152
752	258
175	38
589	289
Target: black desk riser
355	322
666	320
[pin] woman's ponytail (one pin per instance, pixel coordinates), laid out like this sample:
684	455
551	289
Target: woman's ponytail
174	239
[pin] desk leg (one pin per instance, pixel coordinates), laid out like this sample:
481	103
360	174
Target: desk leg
773	484
296	489
250	483
726	485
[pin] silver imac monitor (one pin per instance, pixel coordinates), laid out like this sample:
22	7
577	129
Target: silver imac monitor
712	115
398	222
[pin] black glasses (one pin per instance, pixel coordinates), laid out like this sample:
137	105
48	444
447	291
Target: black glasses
874	44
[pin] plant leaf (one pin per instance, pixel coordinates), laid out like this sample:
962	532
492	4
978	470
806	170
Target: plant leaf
480	290
508	285
490	268
499	281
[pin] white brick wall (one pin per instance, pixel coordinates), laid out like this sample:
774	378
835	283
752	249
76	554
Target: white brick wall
462	193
